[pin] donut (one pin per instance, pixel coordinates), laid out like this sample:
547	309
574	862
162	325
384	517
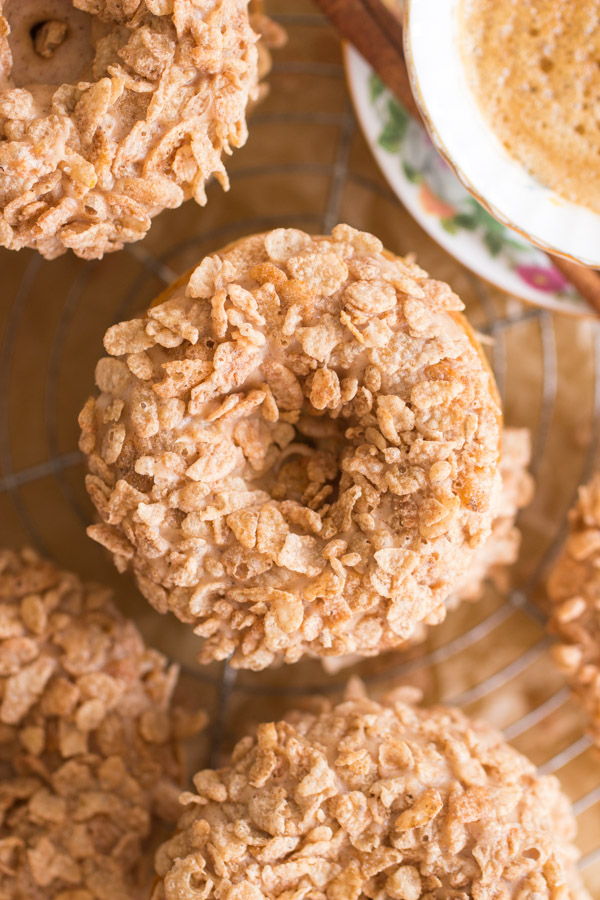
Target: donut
113	110
574	594
270	36
372	800
296	450
89	757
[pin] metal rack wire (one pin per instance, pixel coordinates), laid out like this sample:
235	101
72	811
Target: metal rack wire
486	624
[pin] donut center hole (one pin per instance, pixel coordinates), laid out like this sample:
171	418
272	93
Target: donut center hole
309	470
50	43
47	36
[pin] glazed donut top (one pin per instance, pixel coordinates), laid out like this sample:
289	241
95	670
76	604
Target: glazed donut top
112	110
366	800
297	451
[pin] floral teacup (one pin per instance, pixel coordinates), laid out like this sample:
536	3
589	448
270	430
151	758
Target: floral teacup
460	132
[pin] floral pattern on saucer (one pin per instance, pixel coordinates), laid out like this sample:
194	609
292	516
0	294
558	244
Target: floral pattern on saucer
435	197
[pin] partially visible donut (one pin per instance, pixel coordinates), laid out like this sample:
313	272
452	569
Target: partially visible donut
574	591
366	800
297	450
271	36
113	110
89	740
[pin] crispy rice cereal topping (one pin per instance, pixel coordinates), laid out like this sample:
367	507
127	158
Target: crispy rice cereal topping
297	451
496	555
372	801
88	750
574	589
493	559
141	127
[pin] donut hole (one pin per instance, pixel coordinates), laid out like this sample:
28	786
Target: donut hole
47	36
310	466
50	42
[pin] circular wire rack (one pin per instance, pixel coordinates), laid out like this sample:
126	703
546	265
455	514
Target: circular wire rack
307	165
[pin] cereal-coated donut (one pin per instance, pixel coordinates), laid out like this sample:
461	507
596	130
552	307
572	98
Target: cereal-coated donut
89	759
493	560
364	800
113	110
574	592
296	450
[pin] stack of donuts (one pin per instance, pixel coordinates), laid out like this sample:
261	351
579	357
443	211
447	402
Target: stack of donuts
298	451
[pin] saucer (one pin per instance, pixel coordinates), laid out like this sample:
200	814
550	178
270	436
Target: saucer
432	193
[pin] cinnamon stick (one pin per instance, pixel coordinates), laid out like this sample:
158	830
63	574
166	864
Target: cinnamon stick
377	35
585	280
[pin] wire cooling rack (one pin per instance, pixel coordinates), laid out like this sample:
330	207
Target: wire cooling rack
307	165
